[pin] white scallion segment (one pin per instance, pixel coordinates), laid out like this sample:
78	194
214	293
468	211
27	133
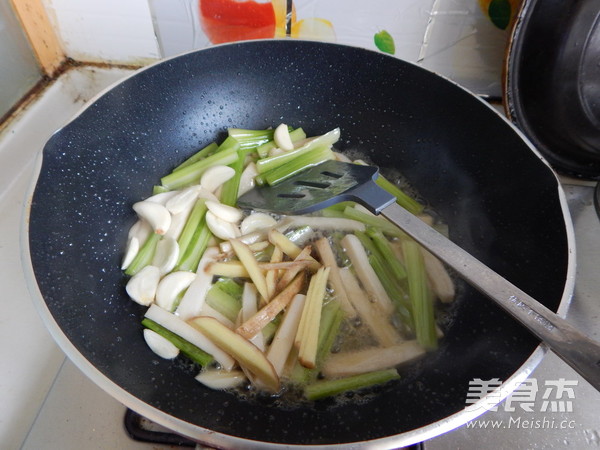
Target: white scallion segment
133	247
341	157
157	215
284	337
162	198
142	286
215	176
325	223
160	345
224	212
249	308
184	200
166	255
247	179
193	299
190	334
282	138
221	228
366	274
256	222
220	379
141	230
171	286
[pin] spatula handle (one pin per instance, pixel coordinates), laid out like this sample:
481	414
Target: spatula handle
580	352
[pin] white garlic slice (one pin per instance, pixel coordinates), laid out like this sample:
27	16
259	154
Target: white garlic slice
160	345
141	230
276	152
155	214
215	176
225	212
282	138
171	286
162	197
166	255
142	286
184	200
256	222
221	228
247	179
133	247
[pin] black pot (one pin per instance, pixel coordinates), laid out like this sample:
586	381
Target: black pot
500	199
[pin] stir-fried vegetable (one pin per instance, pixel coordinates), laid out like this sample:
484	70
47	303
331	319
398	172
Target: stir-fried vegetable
331	302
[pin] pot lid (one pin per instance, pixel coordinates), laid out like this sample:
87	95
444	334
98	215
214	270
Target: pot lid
552	82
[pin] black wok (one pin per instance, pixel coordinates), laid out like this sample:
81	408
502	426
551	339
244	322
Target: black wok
501	201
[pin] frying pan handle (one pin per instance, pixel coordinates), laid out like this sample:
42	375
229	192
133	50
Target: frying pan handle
577	350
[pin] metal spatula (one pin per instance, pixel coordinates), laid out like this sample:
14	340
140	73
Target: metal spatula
332	182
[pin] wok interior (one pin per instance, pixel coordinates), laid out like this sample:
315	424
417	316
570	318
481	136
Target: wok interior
499	199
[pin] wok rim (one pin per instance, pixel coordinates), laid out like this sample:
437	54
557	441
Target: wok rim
222	440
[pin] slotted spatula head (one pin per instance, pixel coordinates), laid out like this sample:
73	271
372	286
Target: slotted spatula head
320	186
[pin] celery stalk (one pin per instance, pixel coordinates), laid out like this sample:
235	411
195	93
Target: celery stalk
327	388
144	256
201	154
196	248
374	221
230	287
264	149
229	191
190	227
420	295
250	139
223	302
326	140
191	174
190	350
385	249
296	165
403	199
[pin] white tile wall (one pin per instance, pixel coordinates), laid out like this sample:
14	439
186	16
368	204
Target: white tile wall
106	31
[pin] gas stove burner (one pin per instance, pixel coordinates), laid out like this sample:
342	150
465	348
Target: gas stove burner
141	429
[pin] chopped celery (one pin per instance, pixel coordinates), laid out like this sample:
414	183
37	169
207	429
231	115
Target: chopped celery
331	320
420	295
403	199
144	256
190	227
327	388
196	248
250	139
201	154
296	165
385	249
230	287
158	189
190	350
229	191
191	174
326	140
223	302
374	221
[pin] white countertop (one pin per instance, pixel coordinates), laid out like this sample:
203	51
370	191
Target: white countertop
47	402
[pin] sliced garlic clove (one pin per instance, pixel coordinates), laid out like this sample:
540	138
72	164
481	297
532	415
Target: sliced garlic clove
141	230
166	255
247	179
256	222
183	201
142	286
155	214
160	345
220	228
171	286
225	212
162	198
203	193
133	247
282	138
178	221
215	176
276	152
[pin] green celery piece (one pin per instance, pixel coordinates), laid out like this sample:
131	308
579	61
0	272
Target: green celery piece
403	199
327	388
144	256
250	139
297	165
230	287
189	229
188	349
229	191
325	140
196	248
374	221
331	321
201	154
385	249
158	189
263	150
191	174
339	206
223	302
420	295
